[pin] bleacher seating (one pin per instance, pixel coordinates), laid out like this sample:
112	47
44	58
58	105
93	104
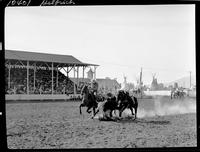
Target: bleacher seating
43	85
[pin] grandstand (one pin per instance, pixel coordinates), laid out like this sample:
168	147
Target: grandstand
37	76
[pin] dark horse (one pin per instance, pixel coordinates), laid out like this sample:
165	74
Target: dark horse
88	100
110	103
177	94
126	101
120	103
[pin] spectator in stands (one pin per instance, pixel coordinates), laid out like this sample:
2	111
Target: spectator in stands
43	79
40	89
9	91
63	91
14	90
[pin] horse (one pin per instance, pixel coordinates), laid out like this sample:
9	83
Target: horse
174	94
88	100
177	94
120	103
100	98
110	104
126	101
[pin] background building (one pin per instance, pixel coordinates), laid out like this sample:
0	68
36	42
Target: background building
105	85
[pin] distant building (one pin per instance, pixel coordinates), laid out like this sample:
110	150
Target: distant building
154	84
157	86
175	85
108	85
124	85
127	86
104	85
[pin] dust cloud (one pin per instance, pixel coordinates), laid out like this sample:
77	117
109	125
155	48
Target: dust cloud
162	108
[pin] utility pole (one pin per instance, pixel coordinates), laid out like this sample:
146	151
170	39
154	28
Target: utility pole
190	78
141	82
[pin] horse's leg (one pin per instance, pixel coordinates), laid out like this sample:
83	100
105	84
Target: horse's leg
111	113
94	111
122	109
135	112
88	110
81	105
135	106
131	110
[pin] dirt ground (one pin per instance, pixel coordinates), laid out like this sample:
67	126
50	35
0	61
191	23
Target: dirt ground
38	125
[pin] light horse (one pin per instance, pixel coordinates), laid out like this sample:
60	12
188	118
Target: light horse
88	100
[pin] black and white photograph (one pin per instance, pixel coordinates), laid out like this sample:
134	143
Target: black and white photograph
100	76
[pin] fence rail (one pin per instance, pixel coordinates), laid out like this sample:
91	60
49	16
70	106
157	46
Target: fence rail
18	97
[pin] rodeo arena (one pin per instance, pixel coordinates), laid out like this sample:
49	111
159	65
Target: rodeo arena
46	108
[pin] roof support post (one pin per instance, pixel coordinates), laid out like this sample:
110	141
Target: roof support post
95	67
77	76
52	78
67	75
74	82
34	76
9	68
83	74
57	78
67	72
27	83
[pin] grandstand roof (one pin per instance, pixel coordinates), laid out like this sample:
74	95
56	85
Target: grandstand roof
44	57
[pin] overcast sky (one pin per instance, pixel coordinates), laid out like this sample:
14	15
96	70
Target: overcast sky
121	39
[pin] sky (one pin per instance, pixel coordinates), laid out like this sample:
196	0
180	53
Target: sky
160	39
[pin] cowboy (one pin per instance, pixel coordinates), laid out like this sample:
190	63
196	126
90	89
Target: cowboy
94	86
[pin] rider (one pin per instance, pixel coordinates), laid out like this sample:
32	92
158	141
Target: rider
93	87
